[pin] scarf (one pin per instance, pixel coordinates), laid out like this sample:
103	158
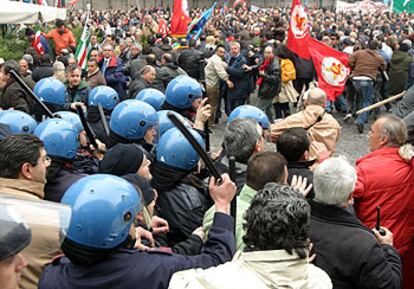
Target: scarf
263	67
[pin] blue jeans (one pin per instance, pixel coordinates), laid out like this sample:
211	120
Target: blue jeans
365	92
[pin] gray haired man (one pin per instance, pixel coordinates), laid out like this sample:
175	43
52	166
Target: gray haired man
354	256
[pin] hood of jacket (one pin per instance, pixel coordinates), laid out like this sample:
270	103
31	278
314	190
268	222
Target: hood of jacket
398	57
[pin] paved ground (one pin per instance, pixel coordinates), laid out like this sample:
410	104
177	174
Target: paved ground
351	144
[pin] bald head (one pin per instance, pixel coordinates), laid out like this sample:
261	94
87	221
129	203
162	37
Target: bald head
316	96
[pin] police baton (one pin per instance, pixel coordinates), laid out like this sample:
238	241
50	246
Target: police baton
233	205
103	119
207	131
27	89
88	130
201	152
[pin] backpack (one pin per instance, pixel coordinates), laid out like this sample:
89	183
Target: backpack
288	70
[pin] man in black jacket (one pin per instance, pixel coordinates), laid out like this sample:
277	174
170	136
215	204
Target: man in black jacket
268	81
192	61
353	255
44	69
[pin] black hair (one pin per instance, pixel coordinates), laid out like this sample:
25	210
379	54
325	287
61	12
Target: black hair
219	46
265	167
45	59
293	143
16	150
278	218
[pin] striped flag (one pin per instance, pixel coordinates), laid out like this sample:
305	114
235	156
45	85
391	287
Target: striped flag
84	45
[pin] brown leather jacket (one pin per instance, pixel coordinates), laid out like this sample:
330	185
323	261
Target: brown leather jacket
366	63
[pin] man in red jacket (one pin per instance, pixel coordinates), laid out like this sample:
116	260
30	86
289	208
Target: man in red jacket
386	179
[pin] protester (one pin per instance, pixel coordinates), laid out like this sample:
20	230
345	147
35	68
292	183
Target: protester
12	95
111	68
385	178
336	232
276	253
23	164
269	81
321	126
94	76
215	71
366	64
62	37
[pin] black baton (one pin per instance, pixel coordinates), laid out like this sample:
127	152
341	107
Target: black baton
103	119
233	205
201	152
88	130
207	131
27	89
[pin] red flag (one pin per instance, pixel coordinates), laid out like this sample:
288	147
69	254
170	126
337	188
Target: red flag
237	2
162	28
332	68
298	32
36	44
72	2
180	19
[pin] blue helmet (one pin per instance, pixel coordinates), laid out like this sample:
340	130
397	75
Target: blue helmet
72	118
50	90
18	121
59	136
182	91
104	95
165	122
103	209
152	96
132	118
250	111
176	151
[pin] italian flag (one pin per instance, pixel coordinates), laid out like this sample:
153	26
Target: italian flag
84	45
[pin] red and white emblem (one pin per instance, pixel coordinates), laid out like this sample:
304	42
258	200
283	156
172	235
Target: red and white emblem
334	71
299	22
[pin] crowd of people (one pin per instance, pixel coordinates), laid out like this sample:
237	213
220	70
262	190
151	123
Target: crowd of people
145	211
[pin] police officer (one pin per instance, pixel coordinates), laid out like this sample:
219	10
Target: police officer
133	121
53	94
183	95
250	111
183	199
61	143
108	98
17	121
152	96
165	123
102	256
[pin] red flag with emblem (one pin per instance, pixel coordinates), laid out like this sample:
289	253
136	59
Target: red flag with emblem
298	32
332	68
162	28
180	19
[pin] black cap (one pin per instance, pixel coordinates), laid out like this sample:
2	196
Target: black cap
122	159
14	234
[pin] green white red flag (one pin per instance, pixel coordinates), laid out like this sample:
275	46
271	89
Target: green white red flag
84	45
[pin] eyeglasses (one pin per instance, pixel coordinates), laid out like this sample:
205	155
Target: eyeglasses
47	160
